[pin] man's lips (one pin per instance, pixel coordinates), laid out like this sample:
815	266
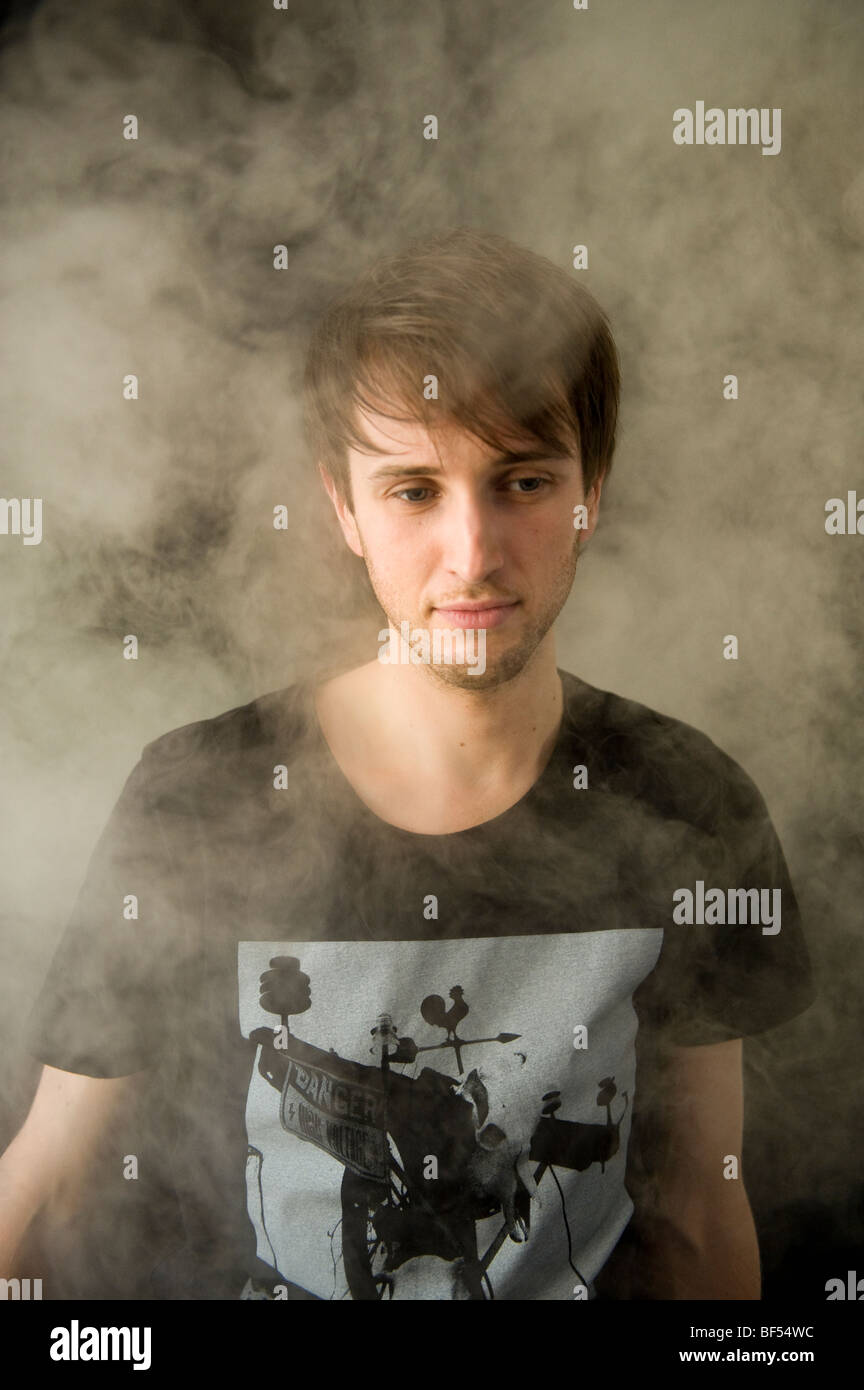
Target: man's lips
483	615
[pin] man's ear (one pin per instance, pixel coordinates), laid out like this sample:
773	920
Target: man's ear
592	503
343	512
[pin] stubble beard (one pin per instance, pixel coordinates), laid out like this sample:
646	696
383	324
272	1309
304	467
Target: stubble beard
502	666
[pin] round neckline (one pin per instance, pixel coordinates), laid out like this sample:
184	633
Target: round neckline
307	694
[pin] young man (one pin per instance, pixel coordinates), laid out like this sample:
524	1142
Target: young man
414	963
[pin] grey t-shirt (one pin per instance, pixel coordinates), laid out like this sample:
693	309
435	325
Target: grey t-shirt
404	1065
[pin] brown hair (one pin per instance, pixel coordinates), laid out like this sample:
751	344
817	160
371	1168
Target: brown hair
513	339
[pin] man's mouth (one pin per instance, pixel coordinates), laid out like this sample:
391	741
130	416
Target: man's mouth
484	613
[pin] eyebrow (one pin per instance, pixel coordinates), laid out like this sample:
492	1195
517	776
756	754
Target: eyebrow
401	470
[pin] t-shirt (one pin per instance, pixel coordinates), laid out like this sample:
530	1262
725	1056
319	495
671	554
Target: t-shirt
401	1065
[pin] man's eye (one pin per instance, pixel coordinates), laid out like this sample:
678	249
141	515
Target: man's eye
527	486
541	483
405	491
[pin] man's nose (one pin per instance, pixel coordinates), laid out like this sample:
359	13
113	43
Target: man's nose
472	541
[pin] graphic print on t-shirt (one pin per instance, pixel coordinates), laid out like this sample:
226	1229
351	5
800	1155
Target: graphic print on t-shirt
420	1123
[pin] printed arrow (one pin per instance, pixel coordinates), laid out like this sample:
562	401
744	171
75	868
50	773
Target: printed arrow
458	1043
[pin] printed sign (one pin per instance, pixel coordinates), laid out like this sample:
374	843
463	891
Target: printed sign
338	1116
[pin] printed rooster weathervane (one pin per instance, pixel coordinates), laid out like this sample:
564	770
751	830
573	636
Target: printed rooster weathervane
435	1012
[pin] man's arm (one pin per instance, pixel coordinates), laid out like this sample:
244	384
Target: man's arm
693	1233
47	1160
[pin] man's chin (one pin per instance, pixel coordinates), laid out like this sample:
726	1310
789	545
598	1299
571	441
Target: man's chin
499	669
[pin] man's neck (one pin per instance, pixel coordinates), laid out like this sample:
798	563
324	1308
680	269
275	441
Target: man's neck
469	736
421	753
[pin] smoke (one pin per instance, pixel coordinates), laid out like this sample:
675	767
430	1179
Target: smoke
303	127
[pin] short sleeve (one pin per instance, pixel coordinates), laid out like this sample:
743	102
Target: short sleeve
102	1009
751	970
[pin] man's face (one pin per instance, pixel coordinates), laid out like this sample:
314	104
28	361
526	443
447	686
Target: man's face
443	521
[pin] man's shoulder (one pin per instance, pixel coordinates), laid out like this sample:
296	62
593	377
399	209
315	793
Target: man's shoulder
226	747
641	753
